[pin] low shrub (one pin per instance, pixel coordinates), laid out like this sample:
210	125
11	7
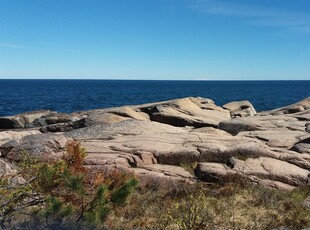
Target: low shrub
59	195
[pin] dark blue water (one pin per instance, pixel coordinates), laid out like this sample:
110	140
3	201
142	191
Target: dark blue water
18	96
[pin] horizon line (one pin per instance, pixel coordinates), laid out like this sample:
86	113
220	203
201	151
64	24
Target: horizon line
109	79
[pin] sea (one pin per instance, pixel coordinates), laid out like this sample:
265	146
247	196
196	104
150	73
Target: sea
19	96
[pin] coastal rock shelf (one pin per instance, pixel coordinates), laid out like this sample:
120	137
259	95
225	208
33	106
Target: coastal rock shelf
185	139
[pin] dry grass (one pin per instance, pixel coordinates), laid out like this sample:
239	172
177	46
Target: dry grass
234	206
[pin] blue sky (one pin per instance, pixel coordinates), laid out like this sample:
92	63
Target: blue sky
155	39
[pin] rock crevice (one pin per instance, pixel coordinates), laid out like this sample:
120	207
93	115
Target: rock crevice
184	139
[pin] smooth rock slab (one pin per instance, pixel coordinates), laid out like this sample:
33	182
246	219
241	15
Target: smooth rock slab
263	169
221	149
268	122
273	169
280	137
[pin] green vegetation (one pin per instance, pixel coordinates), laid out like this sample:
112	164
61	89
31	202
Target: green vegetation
65	195
62	195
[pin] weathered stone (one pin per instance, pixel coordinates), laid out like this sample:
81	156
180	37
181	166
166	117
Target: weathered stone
211	131
58	118
131	113
268	122
125	128
308	127
215	172
43	147
273	169
221	149
22	120
7	147
9	172
185	112
240	108
302	146
105	118
6	136
16	181
265	170
275	184
10	123
280	137
302	116
161	179
64	127
306	202
294	108
146	157
271	149
7	169
169	170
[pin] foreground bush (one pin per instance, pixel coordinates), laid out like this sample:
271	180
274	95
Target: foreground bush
62	195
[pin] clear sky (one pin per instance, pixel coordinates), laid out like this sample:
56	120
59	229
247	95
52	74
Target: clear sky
155	39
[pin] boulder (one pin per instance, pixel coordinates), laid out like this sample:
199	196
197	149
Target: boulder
42	147
7	147
215	172
240	108
302	146
185	112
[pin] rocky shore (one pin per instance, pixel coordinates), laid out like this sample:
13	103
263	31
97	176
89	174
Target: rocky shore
186	139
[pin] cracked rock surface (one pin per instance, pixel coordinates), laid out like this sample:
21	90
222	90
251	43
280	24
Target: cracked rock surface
185	139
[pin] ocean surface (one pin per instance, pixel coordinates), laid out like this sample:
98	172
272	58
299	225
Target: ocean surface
19	96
